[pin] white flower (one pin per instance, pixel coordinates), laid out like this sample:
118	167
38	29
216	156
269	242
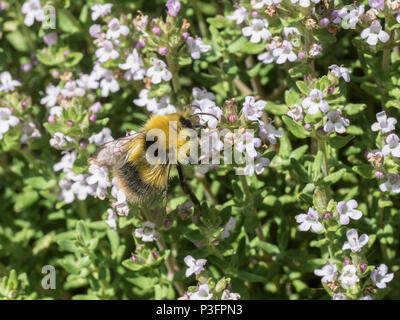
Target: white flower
102	137
392	184
284	53
144	101
257	30
315	102
7	120
100	10
354	243
59	140
147	232
164	106
196	45
339	296
98	180
115	29
196	266
112	218
267	56
71	89
66	194
87	82
348	278
208	106
228	227
120	205
106	51
33	11
239	15
351	15
202	293
375	33
392	146
7	83
227	295
134	66
159	71
296	113
108	84
366	298
269	132
340	72
328	272
247	143
336	122
384	123
67	161
50	100
29	131
253	110
380	276
347	211
80	187
256	165
309	220
315	50
287	31
201	94
305	3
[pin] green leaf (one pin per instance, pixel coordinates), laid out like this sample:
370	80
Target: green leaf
303	87
299	152
300	170
338	141
295	128
317	165
364	170
67	22
277	109
354	108
300	70
18	41
334	177
250	277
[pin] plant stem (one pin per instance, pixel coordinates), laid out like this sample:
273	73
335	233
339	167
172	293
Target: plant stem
250	197
172	267
207	189
255	81
200	19
173	68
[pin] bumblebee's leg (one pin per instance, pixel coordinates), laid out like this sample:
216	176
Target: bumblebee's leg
185	187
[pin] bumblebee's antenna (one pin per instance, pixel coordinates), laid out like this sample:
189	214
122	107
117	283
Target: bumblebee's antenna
204	114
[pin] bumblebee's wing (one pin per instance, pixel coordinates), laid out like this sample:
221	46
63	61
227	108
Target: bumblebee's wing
111	152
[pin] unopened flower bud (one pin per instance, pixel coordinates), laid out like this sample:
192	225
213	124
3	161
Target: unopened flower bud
324	22
83	144
96	107
198	244
69	123
140	45
346	262
155	254
133	259
66	53
24	104
163	51
168	223
379	174
334	14
331	89
232	118
327	216
301	55
92	118
185	36
363	267
254	14
51	119
307	126
156	31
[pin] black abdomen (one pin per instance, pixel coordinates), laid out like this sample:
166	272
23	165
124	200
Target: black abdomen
130	175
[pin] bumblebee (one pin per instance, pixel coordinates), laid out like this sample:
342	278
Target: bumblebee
135	174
